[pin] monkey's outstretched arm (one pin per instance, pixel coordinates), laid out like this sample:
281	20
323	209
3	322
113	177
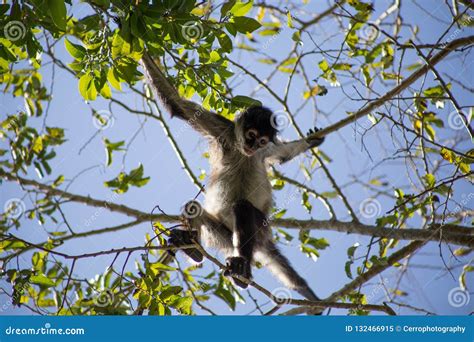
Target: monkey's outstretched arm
202	120
285	151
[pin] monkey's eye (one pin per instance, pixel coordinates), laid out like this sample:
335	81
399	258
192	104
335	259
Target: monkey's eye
263	141
251	134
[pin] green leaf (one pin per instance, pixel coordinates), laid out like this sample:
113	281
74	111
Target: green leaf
430	180
225	9
42	280
214	57
183	305
347	269
113	80
226	296
321	243
244	101
462	277
296	36
267	60
57	12
170	291
58	181
106	92
462	251
246	25
447	155
241	8
225	42
123	181
305	201
328	73
317	90
289	21
38	145
85	83
386	220
75	50
110	147
437	91
342	66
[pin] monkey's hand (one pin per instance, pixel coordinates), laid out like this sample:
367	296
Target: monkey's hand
314	142
179	238
238	266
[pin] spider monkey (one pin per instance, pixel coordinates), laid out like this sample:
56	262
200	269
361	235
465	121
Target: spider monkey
238	195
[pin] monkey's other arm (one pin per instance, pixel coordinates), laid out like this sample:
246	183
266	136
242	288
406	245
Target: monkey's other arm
202	120
285	151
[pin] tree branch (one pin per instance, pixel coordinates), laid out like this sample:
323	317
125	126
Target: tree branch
397	90
455	234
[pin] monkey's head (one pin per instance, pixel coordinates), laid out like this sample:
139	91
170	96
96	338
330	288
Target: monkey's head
254	130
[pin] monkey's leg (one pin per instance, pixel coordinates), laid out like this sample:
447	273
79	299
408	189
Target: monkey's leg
205	228
180	238
243	239
279	265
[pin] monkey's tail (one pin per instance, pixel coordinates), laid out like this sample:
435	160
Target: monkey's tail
280	266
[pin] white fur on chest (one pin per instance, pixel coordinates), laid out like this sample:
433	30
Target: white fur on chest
244	179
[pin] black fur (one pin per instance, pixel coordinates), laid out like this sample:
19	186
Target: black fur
260	117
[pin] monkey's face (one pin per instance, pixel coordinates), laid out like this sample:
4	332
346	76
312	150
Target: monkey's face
254	130
253	141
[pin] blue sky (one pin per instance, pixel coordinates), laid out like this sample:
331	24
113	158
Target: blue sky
170	187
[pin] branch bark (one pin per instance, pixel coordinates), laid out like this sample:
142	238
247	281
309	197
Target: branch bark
448	233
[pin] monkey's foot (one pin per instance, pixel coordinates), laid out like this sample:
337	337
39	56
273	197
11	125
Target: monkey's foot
315	142
238	266
180	238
